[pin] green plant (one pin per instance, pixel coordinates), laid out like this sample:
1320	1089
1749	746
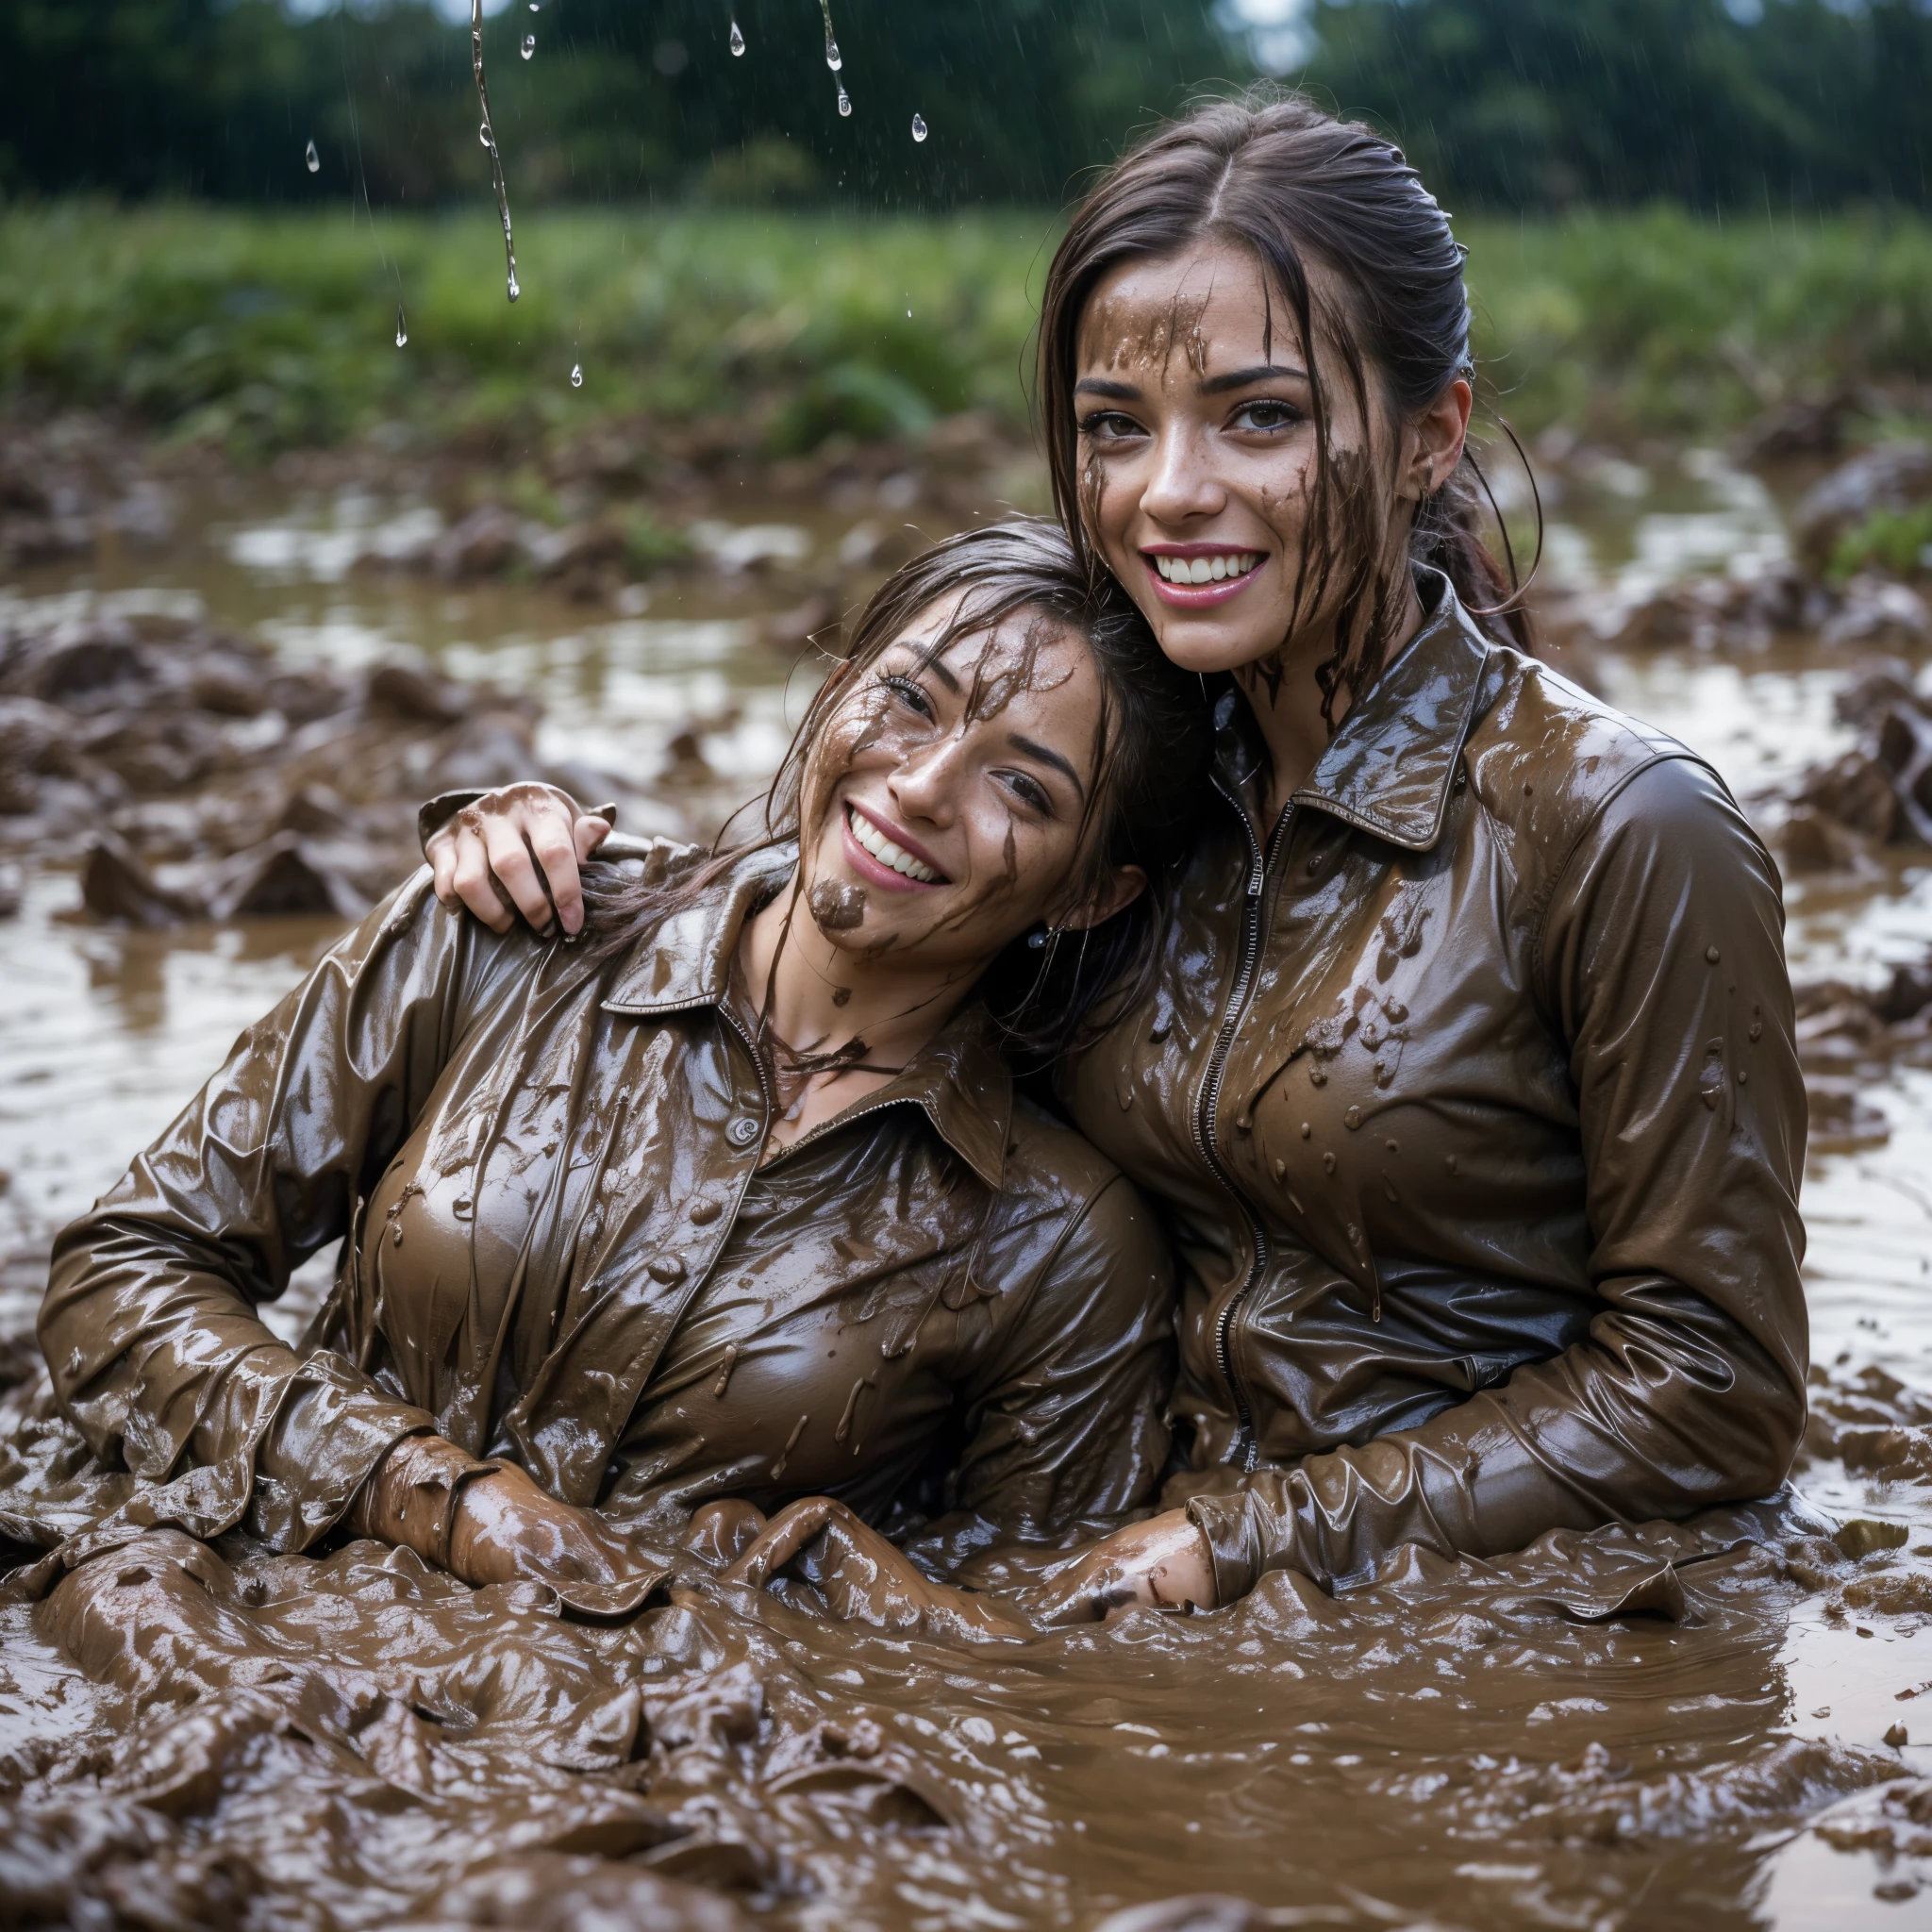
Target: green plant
1898	540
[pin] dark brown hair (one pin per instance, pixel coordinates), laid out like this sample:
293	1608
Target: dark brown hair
1152	770
1278	175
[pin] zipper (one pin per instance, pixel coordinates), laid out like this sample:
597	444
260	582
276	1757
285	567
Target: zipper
1209	1104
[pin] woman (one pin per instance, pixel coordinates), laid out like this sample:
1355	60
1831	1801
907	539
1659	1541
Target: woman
1467	1088
736	1200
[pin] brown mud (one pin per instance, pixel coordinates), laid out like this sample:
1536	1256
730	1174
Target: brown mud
1716	1723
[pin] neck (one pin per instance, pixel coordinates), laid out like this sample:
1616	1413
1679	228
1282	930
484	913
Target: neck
817	997
1286	699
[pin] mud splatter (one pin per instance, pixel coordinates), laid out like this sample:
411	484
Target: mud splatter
837	905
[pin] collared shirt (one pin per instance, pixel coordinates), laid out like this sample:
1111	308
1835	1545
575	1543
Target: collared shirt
559	1248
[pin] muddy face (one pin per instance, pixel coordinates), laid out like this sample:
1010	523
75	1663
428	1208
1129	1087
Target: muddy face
946	806
1196	410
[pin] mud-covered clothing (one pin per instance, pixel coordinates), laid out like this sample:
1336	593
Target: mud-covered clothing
561	1251
1470	1099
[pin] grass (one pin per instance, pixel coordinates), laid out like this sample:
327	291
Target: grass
270	331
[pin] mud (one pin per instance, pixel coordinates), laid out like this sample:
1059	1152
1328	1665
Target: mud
1659	1727
837	907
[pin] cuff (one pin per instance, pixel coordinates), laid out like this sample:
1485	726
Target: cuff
1233	1547
331	1429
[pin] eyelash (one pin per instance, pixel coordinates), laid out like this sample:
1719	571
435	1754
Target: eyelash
1289	415
1097	425
909	693
1031	793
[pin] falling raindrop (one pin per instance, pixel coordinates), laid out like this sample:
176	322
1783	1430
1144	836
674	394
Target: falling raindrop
530	46
577	375
844	100
313	160
489	140
919	128
834	59
402	327
737	38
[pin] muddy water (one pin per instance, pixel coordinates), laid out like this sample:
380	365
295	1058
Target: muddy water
1660	1728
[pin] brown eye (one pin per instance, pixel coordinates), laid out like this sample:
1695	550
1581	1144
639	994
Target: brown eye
1031	792
909	694
1271	413
1110	425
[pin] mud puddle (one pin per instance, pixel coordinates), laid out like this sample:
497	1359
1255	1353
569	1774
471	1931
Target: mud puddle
1718	1724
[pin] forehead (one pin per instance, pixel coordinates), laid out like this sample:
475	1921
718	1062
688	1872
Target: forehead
1208	305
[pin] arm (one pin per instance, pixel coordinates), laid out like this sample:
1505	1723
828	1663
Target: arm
1661	962
149	1324
1065	1417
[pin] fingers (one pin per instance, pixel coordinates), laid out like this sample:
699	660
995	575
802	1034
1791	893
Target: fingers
471	881
781	1539
553	843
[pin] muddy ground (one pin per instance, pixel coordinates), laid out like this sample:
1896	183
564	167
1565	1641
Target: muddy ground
221	698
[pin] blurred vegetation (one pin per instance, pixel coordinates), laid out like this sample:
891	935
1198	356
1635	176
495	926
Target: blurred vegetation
1504	103
265	331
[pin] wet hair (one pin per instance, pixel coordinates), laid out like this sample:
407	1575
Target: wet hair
1152	770
1294	186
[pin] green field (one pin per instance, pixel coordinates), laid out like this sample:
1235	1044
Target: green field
270	331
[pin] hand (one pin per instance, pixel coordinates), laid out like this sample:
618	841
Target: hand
502	1527
1163	1563
517	849
863	1578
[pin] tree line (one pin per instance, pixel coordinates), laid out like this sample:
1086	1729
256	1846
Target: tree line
1506	104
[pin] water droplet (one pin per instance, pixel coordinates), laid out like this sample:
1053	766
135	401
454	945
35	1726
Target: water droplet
529	45
919	128
577	375
516	288
483	135
313	160
834	59
844	100
737	38
402	327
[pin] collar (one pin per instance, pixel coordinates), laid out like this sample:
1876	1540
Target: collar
959	1079
1391	767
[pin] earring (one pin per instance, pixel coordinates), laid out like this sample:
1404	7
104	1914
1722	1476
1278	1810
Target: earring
1042	934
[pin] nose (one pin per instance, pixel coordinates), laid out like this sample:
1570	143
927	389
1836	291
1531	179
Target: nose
1183	485
925	784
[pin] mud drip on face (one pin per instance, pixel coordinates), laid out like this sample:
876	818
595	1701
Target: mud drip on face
837	905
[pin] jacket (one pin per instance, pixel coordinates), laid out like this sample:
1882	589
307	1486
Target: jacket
1471	1098
559	1248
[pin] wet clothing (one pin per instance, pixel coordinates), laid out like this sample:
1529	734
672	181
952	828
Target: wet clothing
561	1251
1471	1098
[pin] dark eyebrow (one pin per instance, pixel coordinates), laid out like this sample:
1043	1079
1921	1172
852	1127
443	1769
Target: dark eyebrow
944	677
1240	379
1114	391
1047	756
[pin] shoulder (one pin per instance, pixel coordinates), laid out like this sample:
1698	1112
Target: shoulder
648	861
1053	1171
1553	767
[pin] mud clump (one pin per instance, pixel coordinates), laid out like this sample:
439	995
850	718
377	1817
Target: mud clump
190	774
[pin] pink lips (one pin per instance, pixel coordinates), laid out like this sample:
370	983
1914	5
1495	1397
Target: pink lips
1197	596
867	866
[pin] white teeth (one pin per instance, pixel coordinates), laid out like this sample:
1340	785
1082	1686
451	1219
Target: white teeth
1206	570
886	852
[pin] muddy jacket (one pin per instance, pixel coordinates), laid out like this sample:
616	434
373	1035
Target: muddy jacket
1471	1098
561	1250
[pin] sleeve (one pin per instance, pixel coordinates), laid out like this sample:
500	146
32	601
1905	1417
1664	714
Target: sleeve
1065	1418
1662	963
150	1326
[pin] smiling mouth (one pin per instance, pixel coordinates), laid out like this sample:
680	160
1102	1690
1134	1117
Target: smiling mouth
1204	570
874	843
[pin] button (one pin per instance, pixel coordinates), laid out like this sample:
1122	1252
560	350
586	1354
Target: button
703	1213
743	1131
667	1269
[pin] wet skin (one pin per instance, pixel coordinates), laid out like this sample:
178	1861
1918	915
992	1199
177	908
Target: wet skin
1197	440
